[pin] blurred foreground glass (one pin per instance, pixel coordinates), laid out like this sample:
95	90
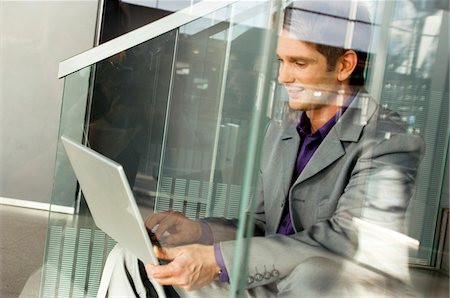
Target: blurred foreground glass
183	113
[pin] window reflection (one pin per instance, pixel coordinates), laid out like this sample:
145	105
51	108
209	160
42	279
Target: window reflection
128	110
414	86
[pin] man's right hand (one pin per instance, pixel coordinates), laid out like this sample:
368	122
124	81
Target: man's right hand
181	230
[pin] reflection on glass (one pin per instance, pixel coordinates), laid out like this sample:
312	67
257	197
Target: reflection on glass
414	86
128	110
213	94
175	111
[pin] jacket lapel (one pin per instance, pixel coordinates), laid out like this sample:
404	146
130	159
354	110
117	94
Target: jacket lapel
348	128
290	141
328	152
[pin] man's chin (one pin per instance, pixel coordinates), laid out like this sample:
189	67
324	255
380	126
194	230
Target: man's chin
298	105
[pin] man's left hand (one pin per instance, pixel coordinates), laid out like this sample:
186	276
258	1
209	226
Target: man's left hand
191	267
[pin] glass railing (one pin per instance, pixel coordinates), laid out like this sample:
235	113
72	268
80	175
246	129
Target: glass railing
183	103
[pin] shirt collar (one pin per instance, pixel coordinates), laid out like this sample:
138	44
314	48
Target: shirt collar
304	124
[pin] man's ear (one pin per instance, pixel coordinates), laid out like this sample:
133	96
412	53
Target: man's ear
346	65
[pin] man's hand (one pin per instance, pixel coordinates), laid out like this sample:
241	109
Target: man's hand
191	266
181	229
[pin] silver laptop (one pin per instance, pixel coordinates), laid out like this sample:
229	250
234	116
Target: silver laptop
110	199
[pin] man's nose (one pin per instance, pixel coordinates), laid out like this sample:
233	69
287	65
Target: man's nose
285	74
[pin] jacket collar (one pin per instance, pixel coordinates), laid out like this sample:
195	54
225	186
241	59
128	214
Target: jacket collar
352	122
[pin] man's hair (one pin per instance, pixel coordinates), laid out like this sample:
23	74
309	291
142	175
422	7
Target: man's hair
326	26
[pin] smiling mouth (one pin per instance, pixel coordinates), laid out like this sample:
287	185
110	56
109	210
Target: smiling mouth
295	89
294	92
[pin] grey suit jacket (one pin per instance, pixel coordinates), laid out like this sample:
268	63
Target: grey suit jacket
364	168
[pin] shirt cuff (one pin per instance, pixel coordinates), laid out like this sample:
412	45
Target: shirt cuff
223	275
207	235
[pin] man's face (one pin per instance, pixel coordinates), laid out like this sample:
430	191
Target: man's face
303	71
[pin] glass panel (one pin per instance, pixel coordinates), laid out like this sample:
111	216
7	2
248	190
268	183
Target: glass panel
127	114
117	107
180	122
64	270
73	111
217	103
414	83
408	72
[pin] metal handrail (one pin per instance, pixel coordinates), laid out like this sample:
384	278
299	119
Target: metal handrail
140	35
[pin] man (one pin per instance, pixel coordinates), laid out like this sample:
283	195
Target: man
333	184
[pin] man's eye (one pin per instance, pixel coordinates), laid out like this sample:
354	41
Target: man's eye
300	64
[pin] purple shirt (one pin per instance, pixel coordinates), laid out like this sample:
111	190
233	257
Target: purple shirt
208	239
308	145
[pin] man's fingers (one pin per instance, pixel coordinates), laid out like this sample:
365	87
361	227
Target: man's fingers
169	274
166	221
174	239
161	271
159	253
190	267
167	254
154	219
164	226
